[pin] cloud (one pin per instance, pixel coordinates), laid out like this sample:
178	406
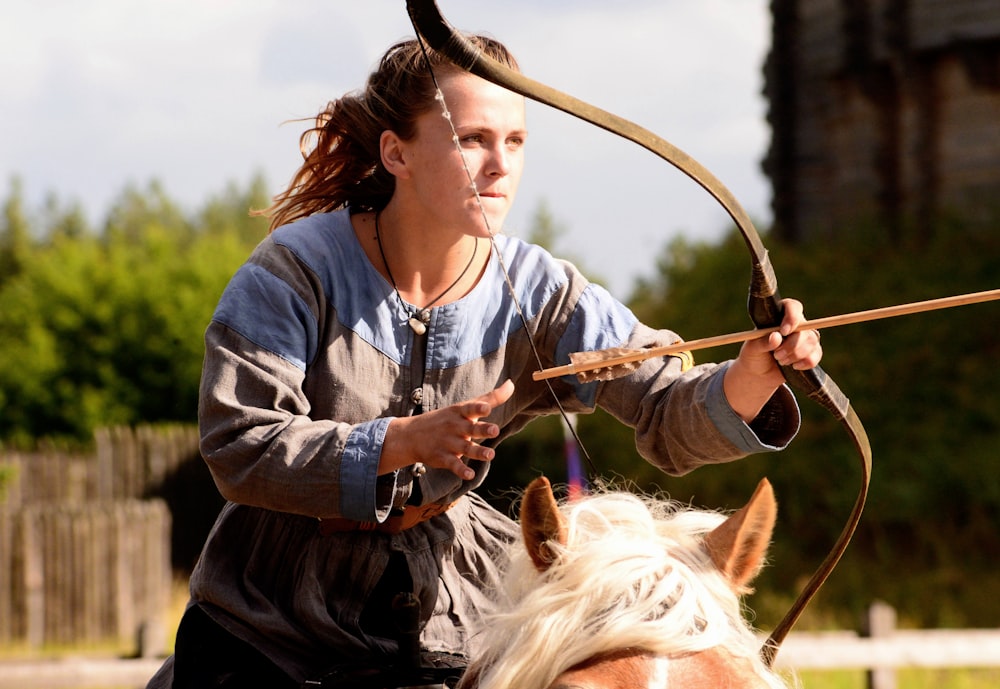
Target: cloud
320	47
104	93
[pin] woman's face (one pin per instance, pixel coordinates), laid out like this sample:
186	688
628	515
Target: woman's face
490	124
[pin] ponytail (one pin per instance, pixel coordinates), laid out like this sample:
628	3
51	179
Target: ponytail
342	166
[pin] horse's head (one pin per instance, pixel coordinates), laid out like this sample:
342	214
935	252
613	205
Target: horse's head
617	591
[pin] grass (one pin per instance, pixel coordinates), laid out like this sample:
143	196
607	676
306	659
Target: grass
178	602
911	678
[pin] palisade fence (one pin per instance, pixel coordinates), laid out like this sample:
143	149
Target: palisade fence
85	546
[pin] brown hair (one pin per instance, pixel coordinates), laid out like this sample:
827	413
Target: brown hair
341	162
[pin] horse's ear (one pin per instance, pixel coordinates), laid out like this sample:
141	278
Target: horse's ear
541	523
738	545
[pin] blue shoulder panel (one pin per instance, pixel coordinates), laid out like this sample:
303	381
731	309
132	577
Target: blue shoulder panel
268	312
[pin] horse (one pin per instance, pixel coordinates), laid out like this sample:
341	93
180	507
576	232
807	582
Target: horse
613	591
607	591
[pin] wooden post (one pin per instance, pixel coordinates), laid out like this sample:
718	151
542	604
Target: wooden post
7	585
881	622
34	578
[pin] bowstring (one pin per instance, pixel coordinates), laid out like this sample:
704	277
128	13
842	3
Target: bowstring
446	114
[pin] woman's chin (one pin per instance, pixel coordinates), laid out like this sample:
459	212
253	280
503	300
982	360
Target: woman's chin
493	223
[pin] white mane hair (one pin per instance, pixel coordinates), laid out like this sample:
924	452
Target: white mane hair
633	574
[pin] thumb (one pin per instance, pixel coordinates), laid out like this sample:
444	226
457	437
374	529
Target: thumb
499	395
484	404
763	345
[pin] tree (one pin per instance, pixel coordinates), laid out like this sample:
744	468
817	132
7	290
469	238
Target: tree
103	330
15	233
924	386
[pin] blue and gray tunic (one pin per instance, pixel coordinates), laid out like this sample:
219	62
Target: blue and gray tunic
309	357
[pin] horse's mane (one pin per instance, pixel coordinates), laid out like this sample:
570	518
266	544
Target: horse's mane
632	575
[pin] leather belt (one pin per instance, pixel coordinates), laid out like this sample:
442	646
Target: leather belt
400	520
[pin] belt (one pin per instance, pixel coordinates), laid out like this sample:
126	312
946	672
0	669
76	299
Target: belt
400	520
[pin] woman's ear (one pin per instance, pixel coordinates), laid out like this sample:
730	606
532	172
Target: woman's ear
391	151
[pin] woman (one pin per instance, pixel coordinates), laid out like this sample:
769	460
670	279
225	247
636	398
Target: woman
363	364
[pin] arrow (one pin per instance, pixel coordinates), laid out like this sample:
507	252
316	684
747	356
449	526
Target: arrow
597	361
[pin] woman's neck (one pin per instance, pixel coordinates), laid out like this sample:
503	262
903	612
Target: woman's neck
427	267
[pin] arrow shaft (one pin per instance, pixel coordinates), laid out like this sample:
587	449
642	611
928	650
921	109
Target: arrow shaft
884	312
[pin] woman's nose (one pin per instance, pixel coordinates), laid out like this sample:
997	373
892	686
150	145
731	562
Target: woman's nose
499	162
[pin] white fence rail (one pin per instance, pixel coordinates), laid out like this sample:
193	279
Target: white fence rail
885	649
941	648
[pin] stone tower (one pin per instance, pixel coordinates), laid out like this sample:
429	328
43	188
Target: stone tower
884	113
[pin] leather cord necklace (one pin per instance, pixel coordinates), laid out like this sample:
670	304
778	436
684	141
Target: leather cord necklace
419	318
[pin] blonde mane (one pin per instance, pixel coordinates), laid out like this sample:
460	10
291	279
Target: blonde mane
633	574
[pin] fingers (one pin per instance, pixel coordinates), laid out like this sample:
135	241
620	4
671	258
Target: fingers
752	379
484	404
793	315
800	350
463	443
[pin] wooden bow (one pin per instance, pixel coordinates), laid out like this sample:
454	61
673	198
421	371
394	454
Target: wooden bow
764	302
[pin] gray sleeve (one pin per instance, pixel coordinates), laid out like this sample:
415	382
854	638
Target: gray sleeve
263	448
681	417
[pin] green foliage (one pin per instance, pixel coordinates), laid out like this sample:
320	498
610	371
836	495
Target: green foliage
15	233
548	232
924	386
106	328
8	474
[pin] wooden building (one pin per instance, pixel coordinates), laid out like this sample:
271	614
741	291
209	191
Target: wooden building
885	114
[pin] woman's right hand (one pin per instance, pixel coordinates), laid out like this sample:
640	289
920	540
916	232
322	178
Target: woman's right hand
441	438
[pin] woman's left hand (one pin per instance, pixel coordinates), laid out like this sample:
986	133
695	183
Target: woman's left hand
756	373
800	350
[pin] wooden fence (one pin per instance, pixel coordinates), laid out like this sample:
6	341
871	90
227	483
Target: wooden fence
85	550
127	463
84	573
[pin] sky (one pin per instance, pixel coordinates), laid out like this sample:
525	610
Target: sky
97	95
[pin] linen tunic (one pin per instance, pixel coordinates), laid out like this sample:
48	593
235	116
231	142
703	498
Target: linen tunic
308	358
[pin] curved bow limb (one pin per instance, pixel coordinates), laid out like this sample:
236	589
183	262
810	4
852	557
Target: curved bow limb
764	301
441	36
